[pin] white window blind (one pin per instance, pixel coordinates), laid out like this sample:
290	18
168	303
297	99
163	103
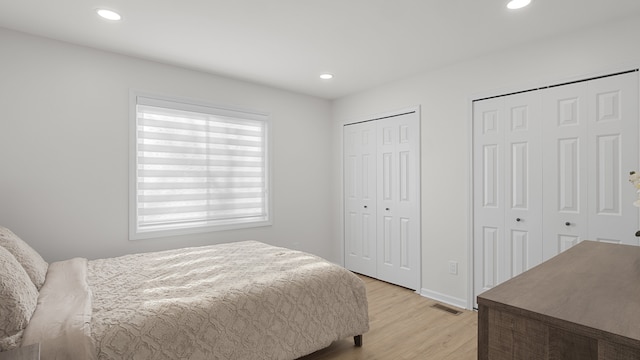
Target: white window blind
198	168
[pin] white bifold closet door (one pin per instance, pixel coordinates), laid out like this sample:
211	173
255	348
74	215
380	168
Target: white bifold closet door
507	188
550	169
590	146
360	199
382	198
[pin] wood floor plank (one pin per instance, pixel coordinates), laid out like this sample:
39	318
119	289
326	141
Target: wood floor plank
405	326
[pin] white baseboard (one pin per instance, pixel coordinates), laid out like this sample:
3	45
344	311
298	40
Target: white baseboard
450	300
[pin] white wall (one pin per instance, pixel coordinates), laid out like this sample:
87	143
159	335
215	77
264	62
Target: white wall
64	150
64	144
444	96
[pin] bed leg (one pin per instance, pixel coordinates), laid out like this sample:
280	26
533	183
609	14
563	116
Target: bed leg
358	340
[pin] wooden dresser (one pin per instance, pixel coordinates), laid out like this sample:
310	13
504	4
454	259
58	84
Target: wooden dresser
582	304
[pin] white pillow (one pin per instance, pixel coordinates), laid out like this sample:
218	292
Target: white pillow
31	261
18	300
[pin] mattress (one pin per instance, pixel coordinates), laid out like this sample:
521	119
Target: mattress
245	300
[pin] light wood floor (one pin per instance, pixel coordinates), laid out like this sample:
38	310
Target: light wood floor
404	325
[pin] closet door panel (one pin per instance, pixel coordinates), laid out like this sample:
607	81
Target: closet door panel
360	198
565	167
523	168
613	134
507	188
488	245
398	205
490	266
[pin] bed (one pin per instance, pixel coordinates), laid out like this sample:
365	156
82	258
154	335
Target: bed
244	300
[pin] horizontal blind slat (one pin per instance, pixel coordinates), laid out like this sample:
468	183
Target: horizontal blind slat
192	152
156	220
186	197
173	108
187	186
197	208
194	174
172	126
214	161
193	141
152	224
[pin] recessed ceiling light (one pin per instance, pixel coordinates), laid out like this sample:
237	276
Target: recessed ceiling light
518	4
326	76
109	14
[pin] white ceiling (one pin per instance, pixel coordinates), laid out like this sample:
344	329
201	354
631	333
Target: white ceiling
288	43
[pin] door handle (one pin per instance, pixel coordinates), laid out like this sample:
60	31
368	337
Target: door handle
387	209
518	219
567	224
365	206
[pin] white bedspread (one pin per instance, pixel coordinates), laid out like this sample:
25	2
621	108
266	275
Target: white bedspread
244	300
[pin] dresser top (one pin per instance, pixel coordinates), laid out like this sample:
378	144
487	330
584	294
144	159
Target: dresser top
593	284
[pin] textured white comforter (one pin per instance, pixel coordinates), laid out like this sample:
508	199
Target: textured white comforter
244	300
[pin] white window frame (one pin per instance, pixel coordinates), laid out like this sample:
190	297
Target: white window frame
136	231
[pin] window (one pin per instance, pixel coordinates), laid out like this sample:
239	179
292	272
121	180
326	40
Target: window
196	168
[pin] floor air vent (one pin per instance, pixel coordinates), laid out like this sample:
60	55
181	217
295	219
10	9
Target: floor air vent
447	309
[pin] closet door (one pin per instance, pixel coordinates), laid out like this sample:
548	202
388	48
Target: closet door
507	188
399	200
360	198
550	169
591	144
523	183
488	194
613	134
565	169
